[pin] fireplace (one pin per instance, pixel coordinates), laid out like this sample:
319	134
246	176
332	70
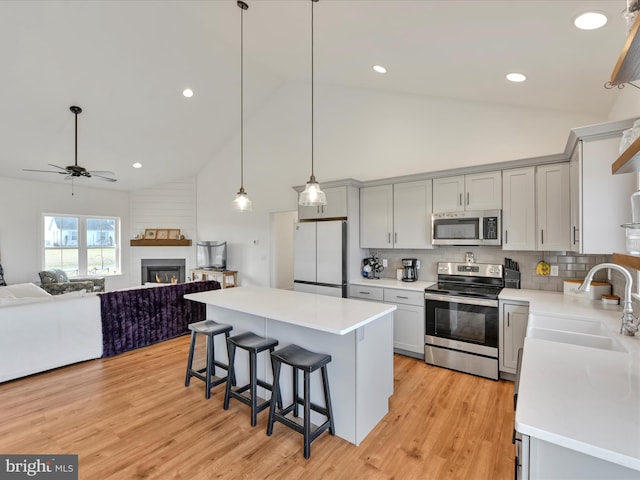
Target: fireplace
163	270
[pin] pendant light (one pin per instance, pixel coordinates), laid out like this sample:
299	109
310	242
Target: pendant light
242	202
312	196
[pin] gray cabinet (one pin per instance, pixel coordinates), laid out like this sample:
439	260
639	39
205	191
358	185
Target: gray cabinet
553	211
396	216
519	209
476	191
513	319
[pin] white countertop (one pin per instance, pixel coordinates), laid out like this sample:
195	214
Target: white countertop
581	398
417	286
319	312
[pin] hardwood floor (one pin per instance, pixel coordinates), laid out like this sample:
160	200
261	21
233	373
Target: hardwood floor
130	417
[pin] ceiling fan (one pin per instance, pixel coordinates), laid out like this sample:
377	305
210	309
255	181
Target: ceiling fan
76	170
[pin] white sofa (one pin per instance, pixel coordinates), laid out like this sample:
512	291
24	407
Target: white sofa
39	331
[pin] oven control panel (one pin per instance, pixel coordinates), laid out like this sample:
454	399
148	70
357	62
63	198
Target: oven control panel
470	269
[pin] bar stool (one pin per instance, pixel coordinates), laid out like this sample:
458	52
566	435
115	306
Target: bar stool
209	328
300	359
253	344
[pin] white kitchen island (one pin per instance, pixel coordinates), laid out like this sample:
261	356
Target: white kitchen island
357	334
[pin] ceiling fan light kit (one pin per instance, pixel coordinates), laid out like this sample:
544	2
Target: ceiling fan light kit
312	196
75	170
242	203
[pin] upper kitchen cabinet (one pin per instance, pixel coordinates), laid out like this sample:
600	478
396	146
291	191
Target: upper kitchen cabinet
553	213
336	206
396	216
477	191
519	209
600	201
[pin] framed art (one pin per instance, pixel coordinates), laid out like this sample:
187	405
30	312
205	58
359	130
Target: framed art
150	234
162	234
174	234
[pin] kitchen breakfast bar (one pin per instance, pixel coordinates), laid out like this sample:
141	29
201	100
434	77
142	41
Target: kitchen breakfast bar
357	334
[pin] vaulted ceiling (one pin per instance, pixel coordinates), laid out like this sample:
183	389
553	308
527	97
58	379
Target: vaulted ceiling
126	63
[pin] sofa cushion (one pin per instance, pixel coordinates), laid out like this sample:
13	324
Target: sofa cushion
22	290
6	293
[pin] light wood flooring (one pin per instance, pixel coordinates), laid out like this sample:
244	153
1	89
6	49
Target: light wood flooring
130	417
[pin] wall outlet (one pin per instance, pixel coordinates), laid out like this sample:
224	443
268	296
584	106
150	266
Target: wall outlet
385	264
554	270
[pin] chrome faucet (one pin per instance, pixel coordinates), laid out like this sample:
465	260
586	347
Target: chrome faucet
629	326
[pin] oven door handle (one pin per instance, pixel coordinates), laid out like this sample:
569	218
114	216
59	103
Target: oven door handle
464	300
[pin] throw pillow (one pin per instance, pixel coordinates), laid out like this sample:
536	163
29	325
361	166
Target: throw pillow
61	275
48	276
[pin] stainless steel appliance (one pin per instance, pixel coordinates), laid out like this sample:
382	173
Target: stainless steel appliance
467	228
409	269
461	315
320	258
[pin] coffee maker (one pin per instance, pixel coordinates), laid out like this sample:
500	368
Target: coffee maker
409	269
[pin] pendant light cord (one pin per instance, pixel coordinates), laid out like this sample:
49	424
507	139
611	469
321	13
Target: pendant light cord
242	7
312	148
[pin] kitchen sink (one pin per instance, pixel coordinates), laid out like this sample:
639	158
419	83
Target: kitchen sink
589	333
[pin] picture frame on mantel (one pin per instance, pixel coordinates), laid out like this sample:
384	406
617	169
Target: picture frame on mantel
162	234
174	234
150	233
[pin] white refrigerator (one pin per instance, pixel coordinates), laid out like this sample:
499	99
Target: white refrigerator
320	258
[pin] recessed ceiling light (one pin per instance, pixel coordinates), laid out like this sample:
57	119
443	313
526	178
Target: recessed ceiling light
590	20
137	165
516	77
187	92
379	69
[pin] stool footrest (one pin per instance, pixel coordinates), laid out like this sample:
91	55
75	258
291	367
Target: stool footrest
286	418
201	374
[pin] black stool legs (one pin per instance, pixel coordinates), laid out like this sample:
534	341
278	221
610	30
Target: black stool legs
210	329
253	344
301	359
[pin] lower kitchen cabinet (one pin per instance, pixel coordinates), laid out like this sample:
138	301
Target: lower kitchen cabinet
408	319
513	328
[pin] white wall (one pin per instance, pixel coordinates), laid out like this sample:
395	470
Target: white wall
281	266
360	134
627	104
24	202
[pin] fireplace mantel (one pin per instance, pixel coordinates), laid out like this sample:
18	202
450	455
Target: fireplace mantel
161	243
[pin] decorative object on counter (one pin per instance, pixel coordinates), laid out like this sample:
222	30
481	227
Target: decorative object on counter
610	299
371	267
543	268
242	203
598	289
312	196
399	273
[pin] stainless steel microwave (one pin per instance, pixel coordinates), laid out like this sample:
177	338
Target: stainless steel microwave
467	228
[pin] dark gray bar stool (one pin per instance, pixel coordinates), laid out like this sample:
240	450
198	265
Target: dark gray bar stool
300	359
254	344
209	328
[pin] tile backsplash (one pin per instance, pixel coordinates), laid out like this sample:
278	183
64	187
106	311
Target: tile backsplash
570	265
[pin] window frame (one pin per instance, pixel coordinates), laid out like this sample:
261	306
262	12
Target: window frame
83	264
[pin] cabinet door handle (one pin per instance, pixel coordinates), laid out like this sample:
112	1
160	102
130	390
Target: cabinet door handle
365	293
467	198
461	199
506	237
395	237
508	319
389	241
542	237
405	298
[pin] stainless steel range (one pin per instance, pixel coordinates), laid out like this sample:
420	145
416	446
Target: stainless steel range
461	314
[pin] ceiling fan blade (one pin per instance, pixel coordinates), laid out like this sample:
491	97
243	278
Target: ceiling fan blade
106	179
101	172
57	166
44	171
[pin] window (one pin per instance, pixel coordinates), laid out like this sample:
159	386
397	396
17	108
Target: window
82	245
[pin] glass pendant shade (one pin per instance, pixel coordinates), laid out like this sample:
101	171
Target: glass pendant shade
312	196
242	202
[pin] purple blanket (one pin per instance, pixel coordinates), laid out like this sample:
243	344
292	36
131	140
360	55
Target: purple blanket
140	317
